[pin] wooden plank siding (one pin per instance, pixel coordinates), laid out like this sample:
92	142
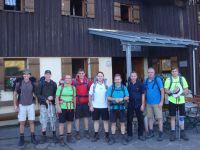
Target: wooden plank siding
47	32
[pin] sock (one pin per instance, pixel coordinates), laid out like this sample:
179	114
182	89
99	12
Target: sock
96	133
44	133
21	134
107	134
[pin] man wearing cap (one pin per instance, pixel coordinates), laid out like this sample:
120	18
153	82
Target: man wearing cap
176	87
24	96
46	95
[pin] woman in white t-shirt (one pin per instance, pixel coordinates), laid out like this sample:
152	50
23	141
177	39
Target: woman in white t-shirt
99	105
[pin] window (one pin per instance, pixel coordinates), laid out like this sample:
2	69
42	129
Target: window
13	68
17	5
128	13
84	8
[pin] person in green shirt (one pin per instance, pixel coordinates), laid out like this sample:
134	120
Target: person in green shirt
66	104
176	87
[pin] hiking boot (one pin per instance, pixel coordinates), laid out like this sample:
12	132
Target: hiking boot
21	140
112	140
172	136
70	138
150	134
43	139
77	136
141	138
184	136
107	139
160	136
129	138
62	142
124	139
33	140
86	134
95	138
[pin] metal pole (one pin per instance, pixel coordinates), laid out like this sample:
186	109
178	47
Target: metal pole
128	61
194	70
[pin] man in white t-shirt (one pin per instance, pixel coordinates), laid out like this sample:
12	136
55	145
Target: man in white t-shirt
99	105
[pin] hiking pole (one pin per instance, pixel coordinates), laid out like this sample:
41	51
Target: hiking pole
50	115
177	120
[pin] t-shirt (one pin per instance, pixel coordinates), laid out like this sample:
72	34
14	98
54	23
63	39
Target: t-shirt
135	94
118	92
26	95
153	94
175	83
68	93
99	100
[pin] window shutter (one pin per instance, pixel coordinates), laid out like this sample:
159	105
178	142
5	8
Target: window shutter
94	64
65	7
29	5
117	11
1	4
66	66
136	14
1	74
34	66
90	8
130	14
198	15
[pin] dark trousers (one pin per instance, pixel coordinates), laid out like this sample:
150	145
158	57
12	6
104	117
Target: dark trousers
140	118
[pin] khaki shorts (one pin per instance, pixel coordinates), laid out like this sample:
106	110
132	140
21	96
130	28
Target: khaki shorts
153	110
48	115
25	111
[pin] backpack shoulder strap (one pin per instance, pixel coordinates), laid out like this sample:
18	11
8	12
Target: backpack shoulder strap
181	80
123	89
113	89
62	87
171	81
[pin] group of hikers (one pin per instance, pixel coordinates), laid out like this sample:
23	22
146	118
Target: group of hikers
114	105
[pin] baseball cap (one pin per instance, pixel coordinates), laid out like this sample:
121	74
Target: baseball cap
27	71
47	71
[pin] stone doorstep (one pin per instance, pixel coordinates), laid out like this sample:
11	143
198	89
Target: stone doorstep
13	122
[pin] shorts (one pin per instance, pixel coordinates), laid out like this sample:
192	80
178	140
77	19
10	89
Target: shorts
100	113
66	115
153	110
172	109
26	110
82	111
117	114
47	115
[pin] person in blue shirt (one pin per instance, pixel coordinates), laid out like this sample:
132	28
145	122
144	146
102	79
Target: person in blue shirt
136	104
117	95
154	98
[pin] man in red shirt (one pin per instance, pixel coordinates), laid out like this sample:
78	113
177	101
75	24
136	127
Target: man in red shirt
82	85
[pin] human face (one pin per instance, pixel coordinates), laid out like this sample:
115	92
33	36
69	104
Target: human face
26	76
68	79
100	77
175	72
133	77
47	76
81	74
151	73
117	80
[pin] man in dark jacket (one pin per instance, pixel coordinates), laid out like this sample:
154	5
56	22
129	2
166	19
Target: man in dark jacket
46	96
136	104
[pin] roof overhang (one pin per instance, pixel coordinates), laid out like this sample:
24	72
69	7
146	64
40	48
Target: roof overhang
144	39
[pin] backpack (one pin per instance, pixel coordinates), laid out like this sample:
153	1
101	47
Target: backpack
86	83
155	82
19	80
95	84
180	81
